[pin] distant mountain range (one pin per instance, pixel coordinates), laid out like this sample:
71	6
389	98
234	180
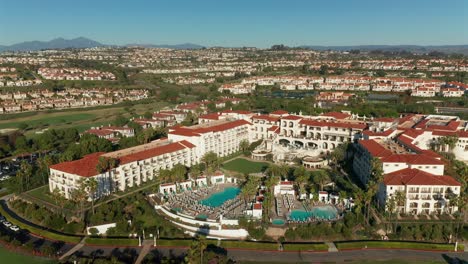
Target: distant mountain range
58	43
81	42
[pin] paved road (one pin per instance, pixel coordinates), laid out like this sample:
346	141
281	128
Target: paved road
273	256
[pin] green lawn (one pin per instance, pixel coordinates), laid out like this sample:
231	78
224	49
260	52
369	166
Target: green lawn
395	244
82	119
8	257
245	166
305	247
112	241
42	193
49	120
249	245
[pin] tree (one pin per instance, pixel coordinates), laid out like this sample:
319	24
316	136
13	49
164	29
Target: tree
339	153
301	177
211	161
244	145
80	196
178	172
43	164
450	141
277	171
23	176
91	188
400	200
320	177
196	250
250	187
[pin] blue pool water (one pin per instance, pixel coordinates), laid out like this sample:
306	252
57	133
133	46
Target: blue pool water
217	199
278	221
321	212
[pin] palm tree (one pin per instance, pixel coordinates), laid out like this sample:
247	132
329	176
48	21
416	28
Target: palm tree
56	195
277	171
211	160
274	170
178	172
244	145
80	196
400	200
43	165
91	187
320	178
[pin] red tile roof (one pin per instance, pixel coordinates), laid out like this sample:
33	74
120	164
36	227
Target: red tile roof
413	133
156	151
291	117
194	132
374	148
418	177
459	134
418	159
385	133
266	117
257	206
337	115
85	167
317	123
100	132
384	119
211	116
279	112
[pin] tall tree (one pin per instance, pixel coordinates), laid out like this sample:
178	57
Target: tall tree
91	188
244	145
320	177
80	196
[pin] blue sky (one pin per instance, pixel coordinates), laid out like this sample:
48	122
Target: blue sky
258	23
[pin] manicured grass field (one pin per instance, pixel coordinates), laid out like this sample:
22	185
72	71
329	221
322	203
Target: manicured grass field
42	193
112	241
395	244
245	166
8	257
46	120
249	245
306	247
81	119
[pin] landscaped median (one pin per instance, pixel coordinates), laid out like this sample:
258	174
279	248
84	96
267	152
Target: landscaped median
249	245
117	242
396	245
38	231
305	247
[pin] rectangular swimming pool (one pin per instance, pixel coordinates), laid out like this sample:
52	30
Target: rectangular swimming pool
321	212
217	199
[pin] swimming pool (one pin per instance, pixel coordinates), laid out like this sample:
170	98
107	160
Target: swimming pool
217	199
278	221
320	212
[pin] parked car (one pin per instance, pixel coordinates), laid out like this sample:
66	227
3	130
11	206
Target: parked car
14	228
7	224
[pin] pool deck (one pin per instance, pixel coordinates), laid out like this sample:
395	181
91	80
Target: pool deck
296	205
202	194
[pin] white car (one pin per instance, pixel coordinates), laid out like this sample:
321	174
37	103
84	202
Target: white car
14	228
7	224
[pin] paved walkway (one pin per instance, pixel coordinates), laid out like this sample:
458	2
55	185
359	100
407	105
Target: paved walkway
74	249
331	247
147	244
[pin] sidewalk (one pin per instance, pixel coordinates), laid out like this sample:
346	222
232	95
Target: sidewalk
74	249
331	247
